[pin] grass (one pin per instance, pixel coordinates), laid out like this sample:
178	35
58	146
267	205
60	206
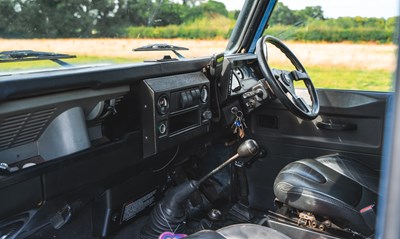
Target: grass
322	77
345	78
350	79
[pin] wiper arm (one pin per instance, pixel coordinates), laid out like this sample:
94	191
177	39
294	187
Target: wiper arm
29	55
163	47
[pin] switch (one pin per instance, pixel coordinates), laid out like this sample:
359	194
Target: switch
207	115
184	100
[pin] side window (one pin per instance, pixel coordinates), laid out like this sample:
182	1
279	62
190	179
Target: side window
341	44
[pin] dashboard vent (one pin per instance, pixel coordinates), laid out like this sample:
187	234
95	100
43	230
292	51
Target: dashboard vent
118	99
21	129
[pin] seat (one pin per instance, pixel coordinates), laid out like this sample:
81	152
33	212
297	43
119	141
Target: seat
239	231
331	186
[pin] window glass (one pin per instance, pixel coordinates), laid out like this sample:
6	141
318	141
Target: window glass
343	44
106	31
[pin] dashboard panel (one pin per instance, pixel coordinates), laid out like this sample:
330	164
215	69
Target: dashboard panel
174	109
77	132
242	78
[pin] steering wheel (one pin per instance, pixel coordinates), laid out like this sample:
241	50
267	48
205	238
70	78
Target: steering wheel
281	82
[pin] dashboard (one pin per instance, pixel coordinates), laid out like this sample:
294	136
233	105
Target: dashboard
175	105
91	129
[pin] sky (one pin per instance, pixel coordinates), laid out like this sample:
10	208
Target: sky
338	8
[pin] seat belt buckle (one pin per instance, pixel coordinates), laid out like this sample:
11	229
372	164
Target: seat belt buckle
369	215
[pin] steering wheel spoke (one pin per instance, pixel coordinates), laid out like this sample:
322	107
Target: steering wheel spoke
299	75
301	103
281	82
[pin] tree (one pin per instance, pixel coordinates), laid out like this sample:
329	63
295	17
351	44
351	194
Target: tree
313	12
391	22
283	15
57	18
192	3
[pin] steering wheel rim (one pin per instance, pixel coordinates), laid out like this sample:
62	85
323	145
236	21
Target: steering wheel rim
282	82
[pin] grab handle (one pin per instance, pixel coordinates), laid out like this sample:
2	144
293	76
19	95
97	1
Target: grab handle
335	126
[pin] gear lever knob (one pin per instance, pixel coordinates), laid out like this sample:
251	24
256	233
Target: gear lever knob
248	148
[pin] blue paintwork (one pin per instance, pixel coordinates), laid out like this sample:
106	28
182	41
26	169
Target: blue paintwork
262	25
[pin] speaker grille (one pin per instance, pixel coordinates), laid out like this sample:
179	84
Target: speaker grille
24	128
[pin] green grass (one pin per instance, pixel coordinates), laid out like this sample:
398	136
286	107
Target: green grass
334	77
350	79
322	77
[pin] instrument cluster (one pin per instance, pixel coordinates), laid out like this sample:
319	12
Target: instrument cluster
243	79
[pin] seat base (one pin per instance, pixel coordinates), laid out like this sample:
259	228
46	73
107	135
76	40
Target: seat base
240	231
332	186
288	227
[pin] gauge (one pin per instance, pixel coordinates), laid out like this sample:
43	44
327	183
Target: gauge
204	94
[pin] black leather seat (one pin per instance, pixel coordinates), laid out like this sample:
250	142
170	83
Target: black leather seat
240	231
331	186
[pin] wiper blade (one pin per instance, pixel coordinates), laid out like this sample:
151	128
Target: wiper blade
29	55
163	47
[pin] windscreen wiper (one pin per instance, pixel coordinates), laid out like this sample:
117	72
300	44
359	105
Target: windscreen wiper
163	47
29	55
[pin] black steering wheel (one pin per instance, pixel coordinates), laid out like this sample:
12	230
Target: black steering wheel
281	82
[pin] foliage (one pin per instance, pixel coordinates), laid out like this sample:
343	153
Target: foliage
309	24
202	19
316	33
284	16
99	18
210	27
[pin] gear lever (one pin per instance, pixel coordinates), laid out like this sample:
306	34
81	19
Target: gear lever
169	214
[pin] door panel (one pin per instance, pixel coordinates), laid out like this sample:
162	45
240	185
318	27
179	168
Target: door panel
350	123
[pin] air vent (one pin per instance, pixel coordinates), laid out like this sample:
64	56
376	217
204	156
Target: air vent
21	129
118	99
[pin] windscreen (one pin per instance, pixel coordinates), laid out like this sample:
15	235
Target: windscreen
107	31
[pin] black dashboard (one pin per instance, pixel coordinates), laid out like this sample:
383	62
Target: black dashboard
136	114
173	101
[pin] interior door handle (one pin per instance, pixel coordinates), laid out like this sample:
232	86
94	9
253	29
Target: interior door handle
335	126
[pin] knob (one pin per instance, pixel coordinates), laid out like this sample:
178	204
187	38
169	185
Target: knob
248	148
204	94
260	93
163	104
206	115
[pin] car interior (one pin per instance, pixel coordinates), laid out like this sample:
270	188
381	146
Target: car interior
214	147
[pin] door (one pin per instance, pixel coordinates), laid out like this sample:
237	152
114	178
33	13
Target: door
350	123
353	82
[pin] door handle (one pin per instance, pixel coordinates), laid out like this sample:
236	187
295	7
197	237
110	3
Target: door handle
336	126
